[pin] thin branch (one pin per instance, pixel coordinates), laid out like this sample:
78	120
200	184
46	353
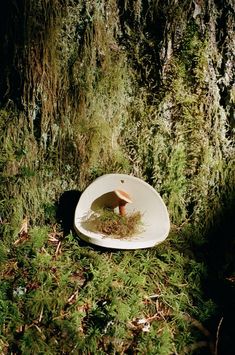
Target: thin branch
217	335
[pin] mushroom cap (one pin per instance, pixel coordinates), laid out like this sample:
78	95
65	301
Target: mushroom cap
123	196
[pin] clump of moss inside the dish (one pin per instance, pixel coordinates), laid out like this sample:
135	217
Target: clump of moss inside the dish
112	224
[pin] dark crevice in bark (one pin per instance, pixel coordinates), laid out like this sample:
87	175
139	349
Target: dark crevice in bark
11	49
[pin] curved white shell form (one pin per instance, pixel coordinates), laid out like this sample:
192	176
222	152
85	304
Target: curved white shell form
146	200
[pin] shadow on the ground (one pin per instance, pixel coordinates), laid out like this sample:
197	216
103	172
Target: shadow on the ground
66	209
218	254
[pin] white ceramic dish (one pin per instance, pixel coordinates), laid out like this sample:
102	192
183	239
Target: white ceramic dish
146	200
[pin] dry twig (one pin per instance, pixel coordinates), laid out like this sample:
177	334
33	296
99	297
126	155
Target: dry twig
217	335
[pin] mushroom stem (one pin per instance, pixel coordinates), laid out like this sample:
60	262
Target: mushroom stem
122	199
122	210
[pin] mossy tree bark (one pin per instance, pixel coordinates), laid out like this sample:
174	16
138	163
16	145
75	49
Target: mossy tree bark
143	87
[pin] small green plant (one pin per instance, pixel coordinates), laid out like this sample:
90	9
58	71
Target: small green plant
110	223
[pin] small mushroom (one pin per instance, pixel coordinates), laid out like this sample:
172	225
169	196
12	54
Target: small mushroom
123	199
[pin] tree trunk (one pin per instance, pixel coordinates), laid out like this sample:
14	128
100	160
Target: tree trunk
134	86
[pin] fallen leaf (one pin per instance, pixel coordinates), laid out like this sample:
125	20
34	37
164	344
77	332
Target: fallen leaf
24	227
22	238
23	232
55	236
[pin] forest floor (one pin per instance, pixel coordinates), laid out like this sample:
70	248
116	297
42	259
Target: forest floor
59	295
